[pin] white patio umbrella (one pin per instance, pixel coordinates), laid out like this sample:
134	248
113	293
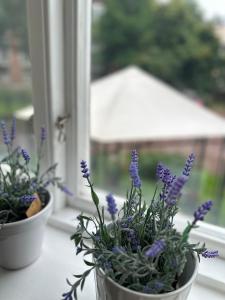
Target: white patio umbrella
132	105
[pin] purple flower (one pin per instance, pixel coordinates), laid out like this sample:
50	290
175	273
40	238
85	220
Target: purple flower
79	249
134	156
175	190
13	129
148	290
46	184
164	174
79	217
43	134
112	209
97	237
132	238
130	219
168	177
25	155
67	296
133	169
188	165
202	211
156	248
160	171
210	254
33	184
65	190
158	285
84	169
5	135
118	250
126	222
27	199
107	265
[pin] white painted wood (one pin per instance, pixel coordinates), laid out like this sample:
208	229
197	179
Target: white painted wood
37	17
77	86
45	23
56	53
45	279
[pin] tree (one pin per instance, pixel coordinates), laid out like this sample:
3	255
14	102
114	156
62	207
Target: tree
171	41
13	26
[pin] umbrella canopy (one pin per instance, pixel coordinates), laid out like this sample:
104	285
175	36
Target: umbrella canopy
131	105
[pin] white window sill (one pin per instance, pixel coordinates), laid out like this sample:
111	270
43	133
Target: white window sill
45	279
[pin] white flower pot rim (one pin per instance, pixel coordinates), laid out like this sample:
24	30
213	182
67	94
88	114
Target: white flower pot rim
27	220
160	296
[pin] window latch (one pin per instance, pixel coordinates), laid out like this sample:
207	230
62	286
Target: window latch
61	126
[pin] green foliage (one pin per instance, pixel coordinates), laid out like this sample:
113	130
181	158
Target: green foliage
171	41
120	248
19	183
13	23
12	100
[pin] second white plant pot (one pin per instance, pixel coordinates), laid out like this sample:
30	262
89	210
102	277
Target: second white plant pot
21	242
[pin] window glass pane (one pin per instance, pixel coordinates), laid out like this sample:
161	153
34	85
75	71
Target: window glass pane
15	72
158	85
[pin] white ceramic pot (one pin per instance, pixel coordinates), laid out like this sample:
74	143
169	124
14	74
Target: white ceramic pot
21	242
107	289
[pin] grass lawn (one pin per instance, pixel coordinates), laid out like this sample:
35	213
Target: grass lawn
12	100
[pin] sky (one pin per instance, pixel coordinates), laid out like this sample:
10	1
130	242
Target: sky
212	8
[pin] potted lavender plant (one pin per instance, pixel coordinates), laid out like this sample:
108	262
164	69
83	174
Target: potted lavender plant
140	254
25	203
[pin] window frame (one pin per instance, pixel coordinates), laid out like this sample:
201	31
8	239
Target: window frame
47	65
72	61
77	15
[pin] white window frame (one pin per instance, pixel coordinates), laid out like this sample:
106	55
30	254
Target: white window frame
77	92
63	72
46	53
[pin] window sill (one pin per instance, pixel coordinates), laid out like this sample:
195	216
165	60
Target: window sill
58	261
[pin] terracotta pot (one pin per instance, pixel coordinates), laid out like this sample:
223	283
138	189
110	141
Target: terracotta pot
21	241
107	289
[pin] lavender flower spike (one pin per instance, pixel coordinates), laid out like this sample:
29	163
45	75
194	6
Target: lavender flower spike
200	213
133	169
160	171
158	285
118	250
6	138
112	209
134	156
156	248
164	174
25	155
84	169
188	165
27	199
175	190
210	254
64	189
67	296
43	134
